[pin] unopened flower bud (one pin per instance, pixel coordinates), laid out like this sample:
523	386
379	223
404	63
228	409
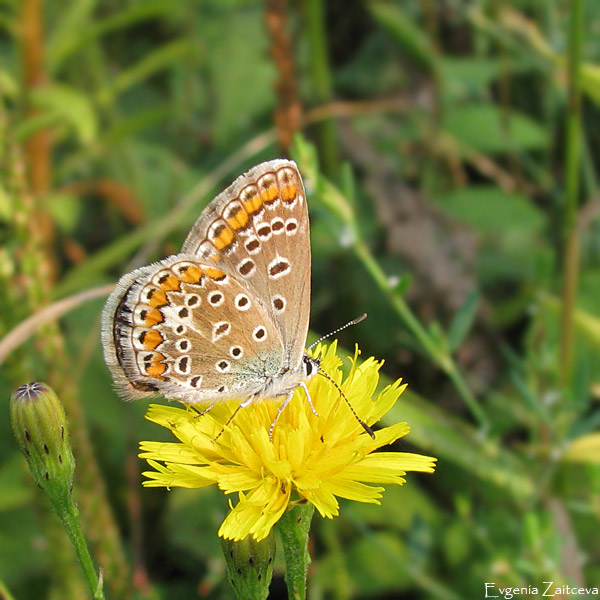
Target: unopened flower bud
40	426
250	565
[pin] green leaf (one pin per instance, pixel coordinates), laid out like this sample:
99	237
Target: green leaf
65	210
409	35
241	81
62	104
463	321
450	439
154	62
8	84
466	76
491	210
16	489
584	449
438	337
590	81
77	28
489	129
585	322
6	205
69	31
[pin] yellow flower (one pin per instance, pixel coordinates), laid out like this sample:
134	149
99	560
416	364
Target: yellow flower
319	458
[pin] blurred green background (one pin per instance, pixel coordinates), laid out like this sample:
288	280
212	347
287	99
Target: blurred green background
450	151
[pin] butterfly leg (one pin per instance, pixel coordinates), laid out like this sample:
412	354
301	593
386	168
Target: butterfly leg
308	398
286	402
279	411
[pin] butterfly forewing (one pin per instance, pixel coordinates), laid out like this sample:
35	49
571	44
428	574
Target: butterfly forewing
257	231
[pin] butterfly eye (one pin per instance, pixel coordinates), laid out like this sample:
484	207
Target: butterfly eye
183	345
195	381
279	267
182	365
264	232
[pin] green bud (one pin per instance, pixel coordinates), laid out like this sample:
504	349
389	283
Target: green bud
250	566
40	426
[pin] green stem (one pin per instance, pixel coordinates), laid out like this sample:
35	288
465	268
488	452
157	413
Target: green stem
322	85
4	593
573	150
439	355
340	204
293	527
71	521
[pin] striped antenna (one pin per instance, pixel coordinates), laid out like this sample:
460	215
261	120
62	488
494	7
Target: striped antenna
339	389
353	322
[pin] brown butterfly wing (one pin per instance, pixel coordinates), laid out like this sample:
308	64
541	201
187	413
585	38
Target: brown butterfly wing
257	230
188	331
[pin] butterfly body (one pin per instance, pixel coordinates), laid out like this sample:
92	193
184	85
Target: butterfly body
227	318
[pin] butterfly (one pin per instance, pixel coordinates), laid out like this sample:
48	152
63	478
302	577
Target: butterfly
227	317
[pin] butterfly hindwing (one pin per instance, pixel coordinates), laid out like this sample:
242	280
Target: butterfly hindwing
188	331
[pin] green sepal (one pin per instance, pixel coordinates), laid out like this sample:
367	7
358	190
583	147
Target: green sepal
40	426
250	566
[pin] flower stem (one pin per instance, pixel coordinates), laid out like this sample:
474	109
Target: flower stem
294	526
573	167
69	515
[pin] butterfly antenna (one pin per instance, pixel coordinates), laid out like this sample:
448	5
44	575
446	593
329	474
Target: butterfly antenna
324	337
339	389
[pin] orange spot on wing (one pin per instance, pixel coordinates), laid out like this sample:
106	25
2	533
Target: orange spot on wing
156	369
288	192
239	220
224	238
214	273
253	204
269	194
159	298
153	317
171	283
191	275
152	339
